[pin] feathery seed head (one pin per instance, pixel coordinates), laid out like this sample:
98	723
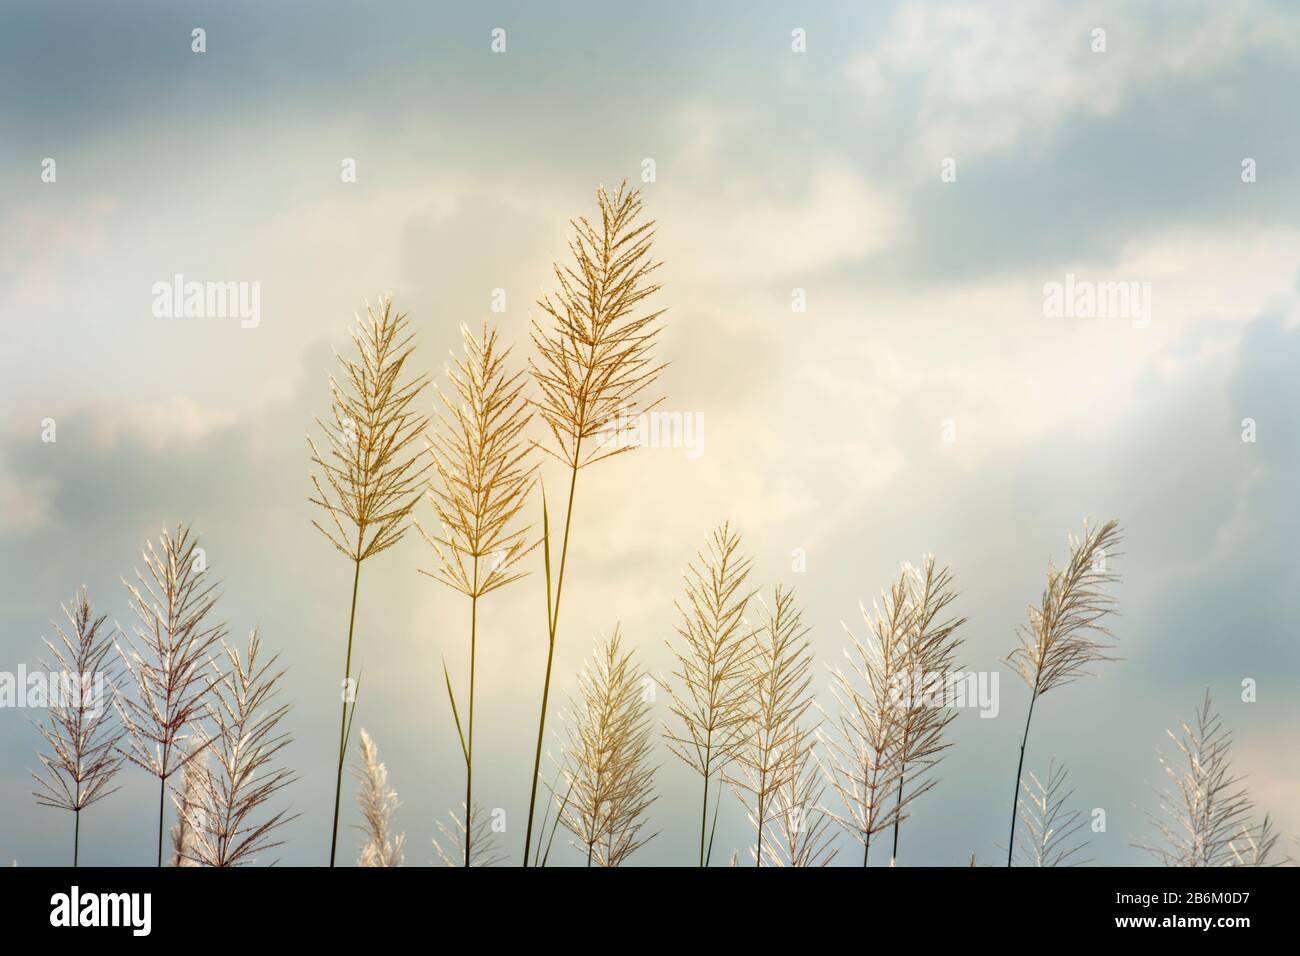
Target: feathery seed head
594	362
482	476
369	476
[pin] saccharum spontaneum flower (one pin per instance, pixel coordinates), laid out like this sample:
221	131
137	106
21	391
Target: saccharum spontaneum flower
593	362
863	741
480	484
168	660
711	694
1067	633
775	736
377	802
608	769
82	732
370	475
239	772
1206	811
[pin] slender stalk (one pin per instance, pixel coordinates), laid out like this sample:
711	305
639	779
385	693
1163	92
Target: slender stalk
1015	796
704	816
76	826
469	754
162	792
343	723
554	613
902	773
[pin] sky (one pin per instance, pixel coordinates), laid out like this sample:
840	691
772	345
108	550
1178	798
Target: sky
918	176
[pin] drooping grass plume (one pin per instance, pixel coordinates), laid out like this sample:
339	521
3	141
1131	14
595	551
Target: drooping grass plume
1049	837
369	476
805	833
378	803
863	747
172	602
1205	810
240	775
482	482
184	843
1066	634
930	647
592	364
462	849
607	762
774	735
81	730
711	691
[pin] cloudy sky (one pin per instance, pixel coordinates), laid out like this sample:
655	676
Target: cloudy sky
923	401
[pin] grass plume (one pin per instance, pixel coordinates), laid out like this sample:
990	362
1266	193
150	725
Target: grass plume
482	482
804	832
711	694
1050	826
172	602
369	476
774	734
607	761
188	800
1205	810
863	745
239	775
378	803
1066	635
81	731
593	362
463	849
929	649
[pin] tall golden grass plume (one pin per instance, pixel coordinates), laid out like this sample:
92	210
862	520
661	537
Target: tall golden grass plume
1067	634
608	759
862	742
370	475
377	802
368	478
1051	827
479	455
174	640
710	692
592	363
481	483
82	735
240	775
775	736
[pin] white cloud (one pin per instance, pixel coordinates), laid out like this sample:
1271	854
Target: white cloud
987	77
160	425
24	504
749	232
